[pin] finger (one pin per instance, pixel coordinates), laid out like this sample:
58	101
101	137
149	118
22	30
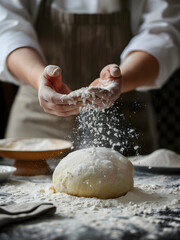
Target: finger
62	114
53	75
111	70
71	113
107	95
48	94
97	100
99	105
115	71
67	98
64	89
102	93
60	107
52	71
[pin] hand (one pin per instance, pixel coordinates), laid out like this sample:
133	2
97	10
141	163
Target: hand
107	88
53	93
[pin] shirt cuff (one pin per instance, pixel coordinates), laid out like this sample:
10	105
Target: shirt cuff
159	46
11	41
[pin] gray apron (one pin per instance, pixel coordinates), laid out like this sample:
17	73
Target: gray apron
81	44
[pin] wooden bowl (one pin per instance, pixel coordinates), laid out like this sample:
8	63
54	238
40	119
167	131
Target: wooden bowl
31	162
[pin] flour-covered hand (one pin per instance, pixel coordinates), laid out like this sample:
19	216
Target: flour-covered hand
107	88
53	93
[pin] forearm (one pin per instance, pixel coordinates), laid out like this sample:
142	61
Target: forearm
138	69
27	65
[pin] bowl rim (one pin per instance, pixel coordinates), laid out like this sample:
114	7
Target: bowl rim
6	149
9	169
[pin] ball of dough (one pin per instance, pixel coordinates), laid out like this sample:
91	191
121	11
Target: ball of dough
94	172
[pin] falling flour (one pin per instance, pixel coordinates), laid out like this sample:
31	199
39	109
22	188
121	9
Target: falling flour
105	128
97	127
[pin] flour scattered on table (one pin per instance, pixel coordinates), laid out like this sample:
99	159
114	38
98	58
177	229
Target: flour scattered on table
142	207
159	158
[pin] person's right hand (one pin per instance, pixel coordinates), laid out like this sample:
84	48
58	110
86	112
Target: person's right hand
53	93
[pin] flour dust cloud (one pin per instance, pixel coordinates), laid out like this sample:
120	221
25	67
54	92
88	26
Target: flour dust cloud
104	128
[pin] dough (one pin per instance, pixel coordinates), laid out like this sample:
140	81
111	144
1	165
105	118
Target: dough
94	172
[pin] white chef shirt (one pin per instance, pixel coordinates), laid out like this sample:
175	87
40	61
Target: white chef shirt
155	26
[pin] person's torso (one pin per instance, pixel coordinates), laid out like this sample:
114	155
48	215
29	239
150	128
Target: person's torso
82	43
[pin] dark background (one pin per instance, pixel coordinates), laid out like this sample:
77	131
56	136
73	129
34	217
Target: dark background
7	94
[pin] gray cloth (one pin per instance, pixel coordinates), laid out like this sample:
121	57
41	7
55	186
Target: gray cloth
20	212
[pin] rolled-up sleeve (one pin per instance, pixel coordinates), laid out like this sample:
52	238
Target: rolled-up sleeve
16	31
159	35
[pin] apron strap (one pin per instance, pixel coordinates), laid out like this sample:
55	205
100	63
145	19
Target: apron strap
125	5
44	9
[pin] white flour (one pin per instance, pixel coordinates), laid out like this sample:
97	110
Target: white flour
105	128
99	128
82	93
145	199
159	158
3	170
32	144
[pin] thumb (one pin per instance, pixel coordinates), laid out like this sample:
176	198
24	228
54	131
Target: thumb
52	71
110	71
115	71
54	74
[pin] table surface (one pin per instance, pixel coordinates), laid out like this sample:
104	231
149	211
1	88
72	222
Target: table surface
150	211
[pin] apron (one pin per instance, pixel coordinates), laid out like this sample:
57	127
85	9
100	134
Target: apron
81	44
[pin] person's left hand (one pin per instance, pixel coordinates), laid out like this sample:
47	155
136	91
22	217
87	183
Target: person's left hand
107	88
